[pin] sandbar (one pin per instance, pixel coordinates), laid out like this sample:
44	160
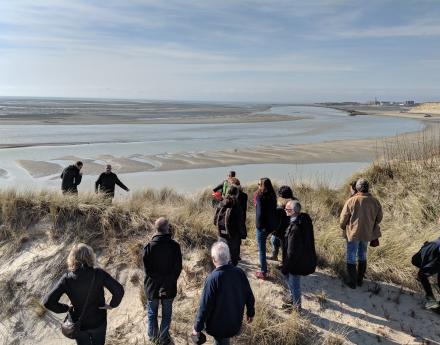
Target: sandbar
361	150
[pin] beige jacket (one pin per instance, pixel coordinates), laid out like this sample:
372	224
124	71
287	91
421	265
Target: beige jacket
360	218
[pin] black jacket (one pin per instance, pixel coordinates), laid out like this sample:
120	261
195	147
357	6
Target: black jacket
76	286
106	183
265	213
243	201
227	291
428	258
163	264
71	178
283	222
299	255
221	187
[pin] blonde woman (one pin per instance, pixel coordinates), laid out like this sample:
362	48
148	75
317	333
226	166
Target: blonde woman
83	280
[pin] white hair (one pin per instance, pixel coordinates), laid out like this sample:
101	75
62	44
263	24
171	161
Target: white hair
220	253
295	205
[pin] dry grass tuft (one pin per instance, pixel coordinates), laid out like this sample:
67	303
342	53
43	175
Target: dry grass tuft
36	306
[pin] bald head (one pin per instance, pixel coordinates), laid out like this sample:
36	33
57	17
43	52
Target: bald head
162	226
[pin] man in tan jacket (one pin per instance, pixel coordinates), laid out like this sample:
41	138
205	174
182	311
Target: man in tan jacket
359	221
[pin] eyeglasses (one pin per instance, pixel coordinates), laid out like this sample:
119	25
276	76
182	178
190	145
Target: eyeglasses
288	209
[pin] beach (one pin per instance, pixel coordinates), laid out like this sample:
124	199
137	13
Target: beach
181	139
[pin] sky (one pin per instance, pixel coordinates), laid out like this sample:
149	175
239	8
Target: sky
231	50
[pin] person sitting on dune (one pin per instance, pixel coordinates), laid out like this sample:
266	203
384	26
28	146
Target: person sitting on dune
427	259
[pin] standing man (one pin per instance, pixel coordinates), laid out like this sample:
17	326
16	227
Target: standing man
163	264
71	178
359	221
299	254
107	181
227	291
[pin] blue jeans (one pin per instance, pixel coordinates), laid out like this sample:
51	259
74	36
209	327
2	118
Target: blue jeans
261	242
294	284
275	242
221	341
152	309
356	248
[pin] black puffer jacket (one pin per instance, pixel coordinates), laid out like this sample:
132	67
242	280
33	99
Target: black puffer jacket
163	264
76	286
299	254
71	178
428	258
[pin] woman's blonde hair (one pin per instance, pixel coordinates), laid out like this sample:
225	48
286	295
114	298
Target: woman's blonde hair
80	255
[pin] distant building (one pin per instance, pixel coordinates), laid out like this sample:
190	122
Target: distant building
409	103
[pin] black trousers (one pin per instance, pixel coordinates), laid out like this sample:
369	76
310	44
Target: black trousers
234	243
95	336
423	278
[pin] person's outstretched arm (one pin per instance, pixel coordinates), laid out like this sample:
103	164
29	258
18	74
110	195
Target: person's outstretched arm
51	301
120	184
116	289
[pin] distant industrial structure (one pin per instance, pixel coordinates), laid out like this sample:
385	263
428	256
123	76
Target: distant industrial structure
409	103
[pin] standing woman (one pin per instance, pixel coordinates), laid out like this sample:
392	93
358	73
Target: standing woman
265	222
84	283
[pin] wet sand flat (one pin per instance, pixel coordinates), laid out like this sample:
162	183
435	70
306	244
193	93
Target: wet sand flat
326	152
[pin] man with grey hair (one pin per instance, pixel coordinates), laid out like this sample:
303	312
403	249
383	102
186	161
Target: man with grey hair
359	221
299	254
163	264
227	291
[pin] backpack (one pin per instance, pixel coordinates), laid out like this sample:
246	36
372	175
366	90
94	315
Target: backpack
221	220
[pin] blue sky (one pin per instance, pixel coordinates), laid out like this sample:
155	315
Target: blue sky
229	50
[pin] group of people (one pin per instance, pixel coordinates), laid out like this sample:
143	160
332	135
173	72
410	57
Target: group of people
227	294
72	175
